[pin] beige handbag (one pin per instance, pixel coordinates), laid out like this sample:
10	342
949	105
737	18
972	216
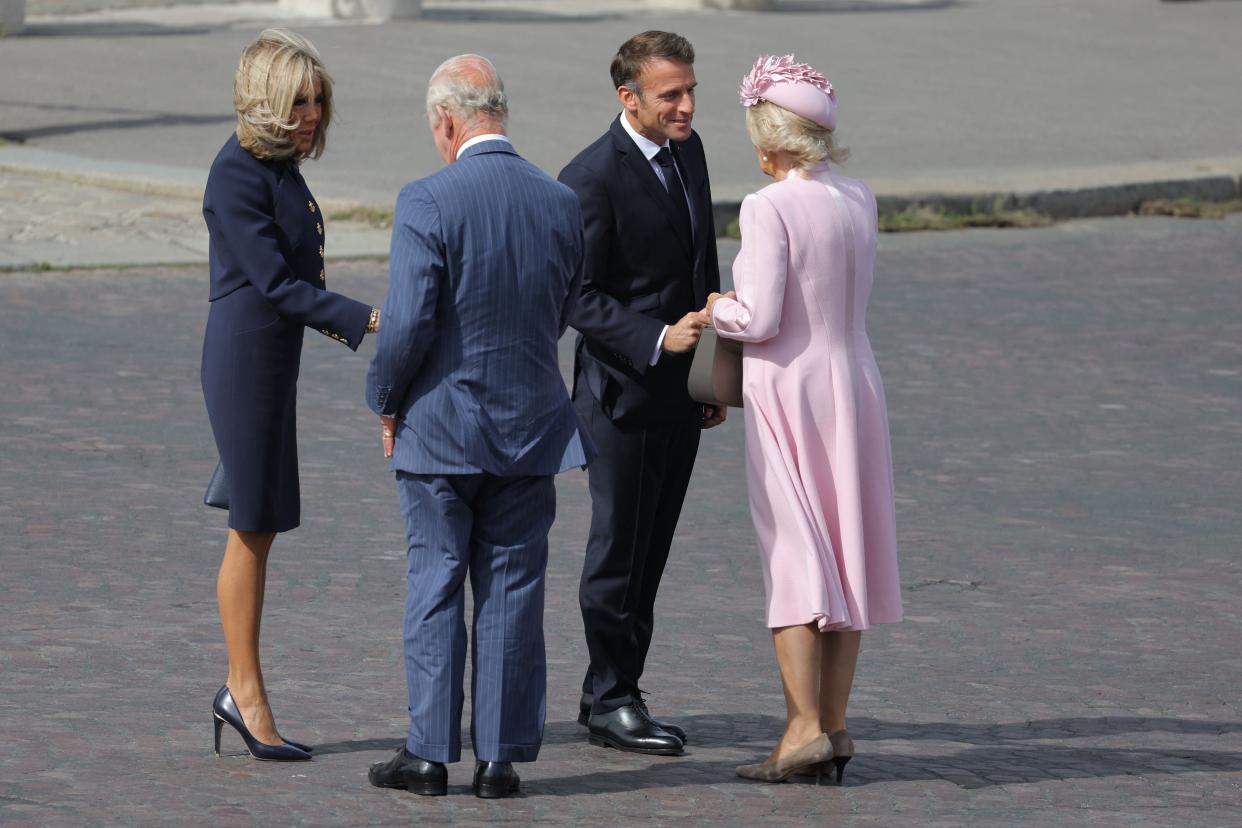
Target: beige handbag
716	372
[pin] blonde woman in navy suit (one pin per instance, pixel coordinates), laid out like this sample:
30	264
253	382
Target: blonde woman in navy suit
267	286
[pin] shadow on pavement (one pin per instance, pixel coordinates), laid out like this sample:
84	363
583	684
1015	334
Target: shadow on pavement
970	770
23	135
113	29
838	6
358	746
1000	758
510	16
1066	728
1015	765
56	106
669	772
704	731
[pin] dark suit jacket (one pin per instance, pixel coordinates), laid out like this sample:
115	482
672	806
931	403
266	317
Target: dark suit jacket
641	274
486	264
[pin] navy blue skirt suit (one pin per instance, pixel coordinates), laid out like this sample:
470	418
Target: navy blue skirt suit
267	287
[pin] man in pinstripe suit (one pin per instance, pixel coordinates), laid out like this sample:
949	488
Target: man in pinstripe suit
486	265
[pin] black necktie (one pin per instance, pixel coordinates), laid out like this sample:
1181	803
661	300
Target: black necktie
676	191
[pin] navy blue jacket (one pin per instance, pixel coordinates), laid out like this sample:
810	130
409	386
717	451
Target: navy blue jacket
267	231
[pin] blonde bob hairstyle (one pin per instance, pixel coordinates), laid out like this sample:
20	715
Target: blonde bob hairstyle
774	128
274	71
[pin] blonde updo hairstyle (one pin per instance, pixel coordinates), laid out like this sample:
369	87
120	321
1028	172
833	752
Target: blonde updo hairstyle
274	71
775	128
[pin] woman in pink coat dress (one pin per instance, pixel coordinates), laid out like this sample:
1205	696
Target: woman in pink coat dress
818	462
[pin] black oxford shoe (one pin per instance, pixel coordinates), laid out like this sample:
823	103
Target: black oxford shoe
405	770
584	716
495	780
626	728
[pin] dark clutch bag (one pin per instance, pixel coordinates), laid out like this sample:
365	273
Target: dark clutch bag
716	372
217	489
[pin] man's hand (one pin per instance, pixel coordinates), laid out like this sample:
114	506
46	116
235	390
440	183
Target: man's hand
683	336
714	415
388	434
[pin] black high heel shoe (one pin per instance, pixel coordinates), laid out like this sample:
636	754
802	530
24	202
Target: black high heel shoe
842	751
224	709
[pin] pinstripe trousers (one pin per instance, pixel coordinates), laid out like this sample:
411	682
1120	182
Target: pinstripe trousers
494	529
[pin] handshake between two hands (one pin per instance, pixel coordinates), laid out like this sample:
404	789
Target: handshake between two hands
682	337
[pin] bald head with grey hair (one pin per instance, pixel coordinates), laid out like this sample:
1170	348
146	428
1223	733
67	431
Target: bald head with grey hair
465	98
469	87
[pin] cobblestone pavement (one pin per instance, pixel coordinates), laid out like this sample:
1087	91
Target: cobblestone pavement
1066	424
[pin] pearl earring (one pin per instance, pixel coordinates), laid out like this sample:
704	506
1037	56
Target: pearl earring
765	158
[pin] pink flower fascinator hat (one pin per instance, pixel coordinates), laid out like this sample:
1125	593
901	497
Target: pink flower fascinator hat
793	86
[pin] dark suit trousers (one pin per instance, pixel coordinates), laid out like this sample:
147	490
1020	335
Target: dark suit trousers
494	529
638	483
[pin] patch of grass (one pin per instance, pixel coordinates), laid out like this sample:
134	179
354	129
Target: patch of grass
1190	208
380	217
934	218
46	267
33	267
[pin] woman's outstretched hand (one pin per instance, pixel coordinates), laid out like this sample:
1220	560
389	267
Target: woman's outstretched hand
711	300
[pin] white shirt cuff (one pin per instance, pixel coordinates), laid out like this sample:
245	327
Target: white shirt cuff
655	357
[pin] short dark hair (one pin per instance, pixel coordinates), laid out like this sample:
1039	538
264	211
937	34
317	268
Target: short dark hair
641	49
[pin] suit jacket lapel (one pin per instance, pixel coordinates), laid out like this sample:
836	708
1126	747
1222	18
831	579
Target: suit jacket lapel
696	184
650	181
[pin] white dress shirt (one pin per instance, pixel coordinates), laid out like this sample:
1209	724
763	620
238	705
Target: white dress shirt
478	139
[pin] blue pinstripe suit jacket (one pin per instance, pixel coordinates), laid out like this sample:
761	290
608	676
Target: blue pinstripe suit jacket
486	265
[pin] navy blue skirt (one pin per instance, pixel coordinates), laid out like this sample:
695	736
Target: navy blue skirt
251	357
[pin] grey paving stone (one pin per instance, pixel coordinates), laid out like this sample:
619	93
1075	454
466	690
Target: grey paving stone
1065	414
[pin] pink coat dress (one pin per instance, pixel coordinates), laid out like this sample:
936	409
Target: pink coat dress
819	467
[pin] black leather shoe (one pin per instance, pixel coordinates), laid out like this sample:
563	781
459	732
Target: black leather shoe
668	726
495	780
584	715
626	728
405	770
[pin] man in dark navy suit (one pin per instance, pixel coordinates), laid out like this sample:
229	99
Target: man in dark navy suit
486	266
650	265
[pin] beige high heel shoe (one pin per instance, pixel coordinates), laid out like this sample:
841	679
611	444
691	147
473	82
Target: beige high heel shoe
810	757
842	752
